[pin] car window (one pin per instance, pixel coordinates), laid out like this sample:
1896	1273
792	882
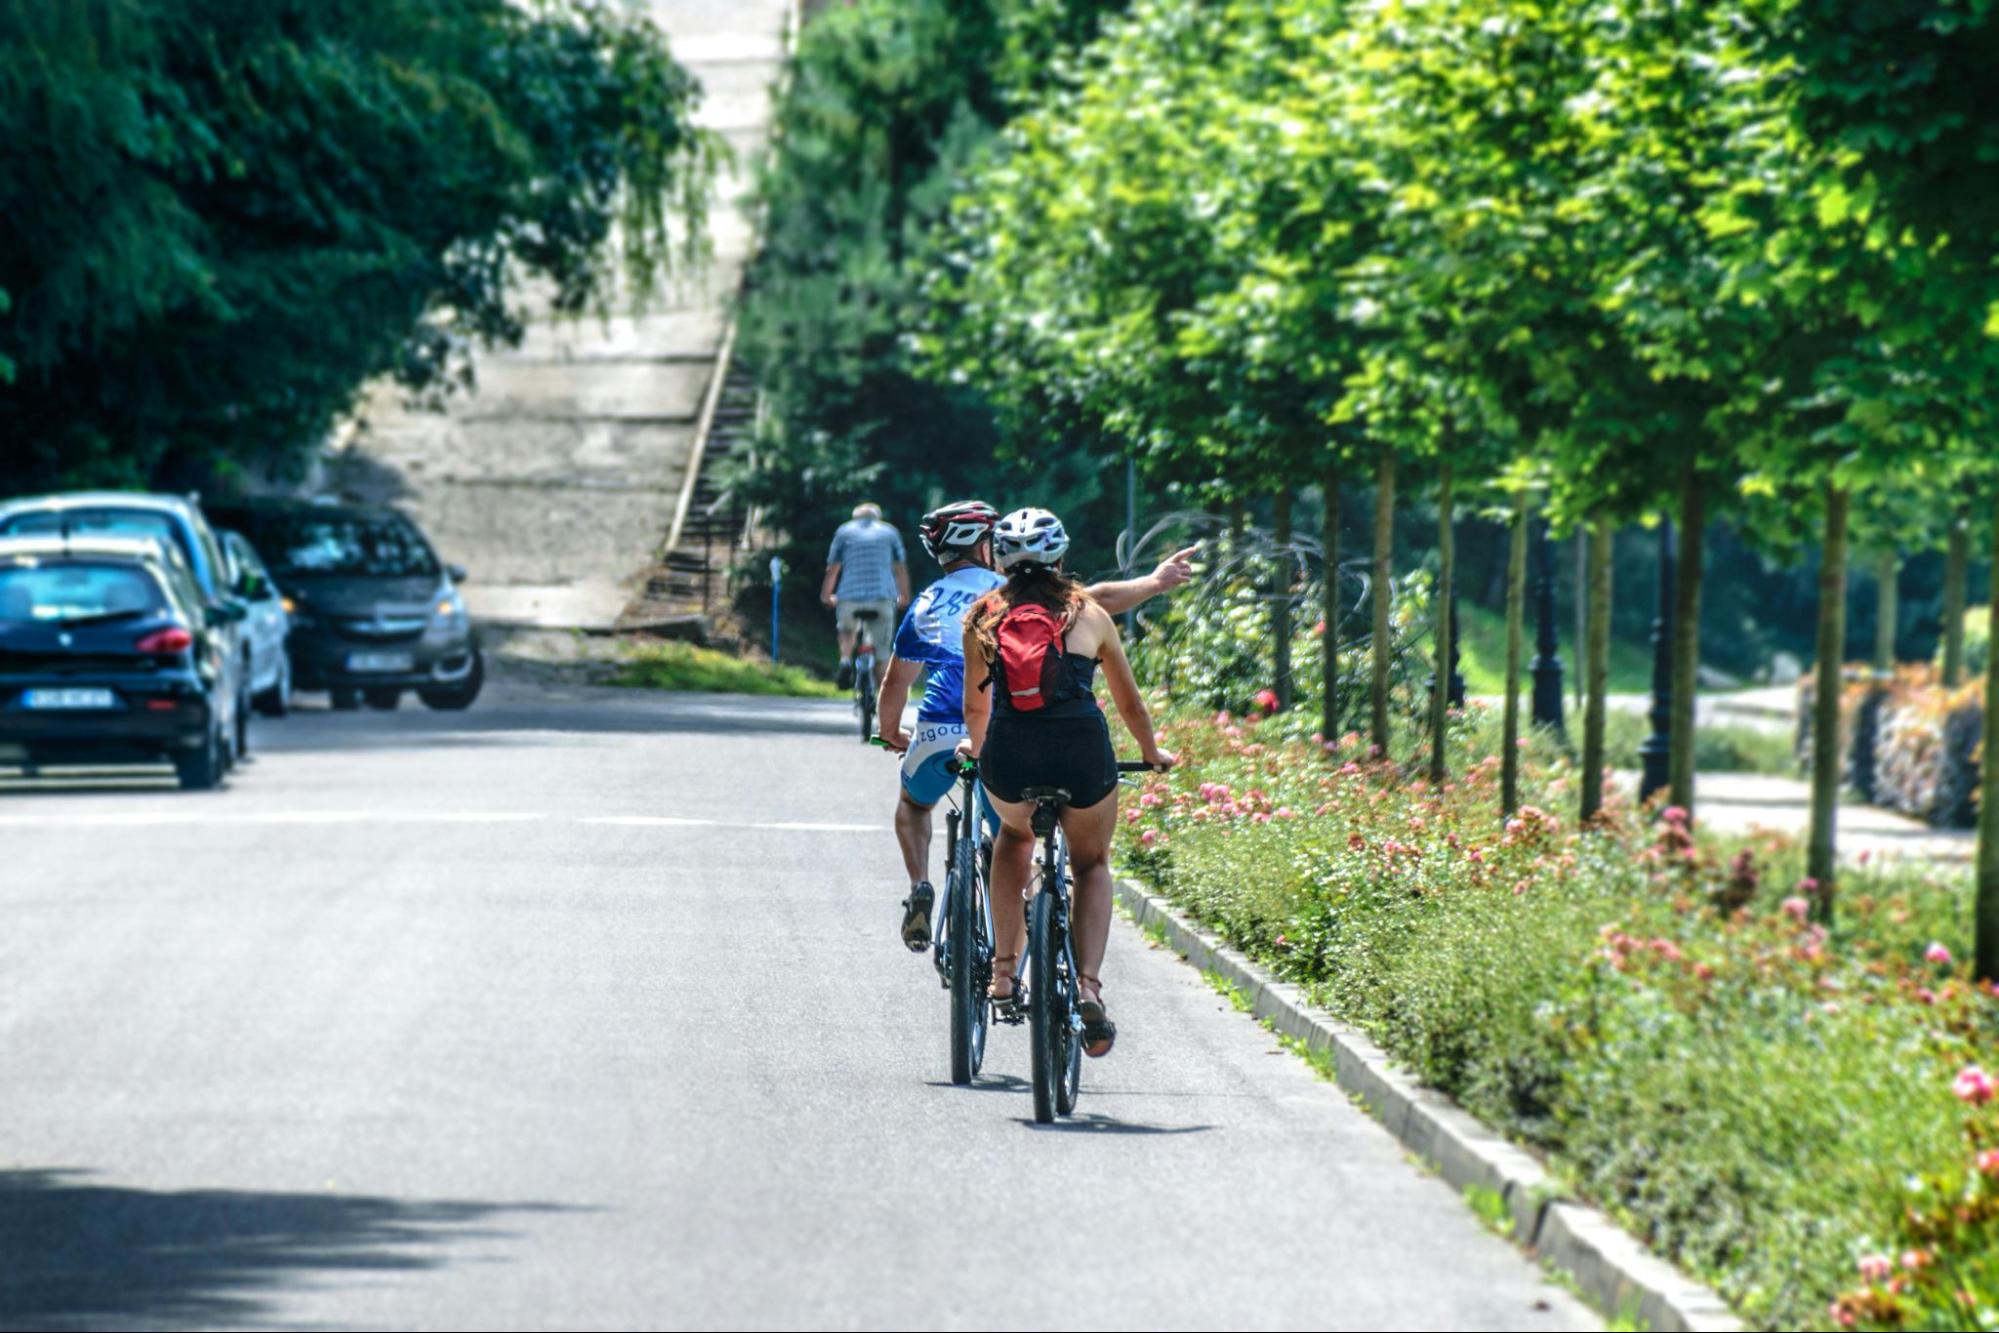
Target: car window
378	545
243	559
65	592
97	519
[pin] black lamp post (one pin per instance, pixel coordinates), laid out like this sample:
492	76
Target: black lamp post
1657	750
1547	667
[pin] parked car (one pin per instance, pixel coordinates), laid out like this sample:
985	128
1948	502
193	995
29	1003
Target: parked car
269	625
109	653
169	518
374	612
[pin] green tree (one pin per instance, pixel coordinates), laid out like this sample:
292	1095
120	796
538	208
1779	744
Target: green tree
221	217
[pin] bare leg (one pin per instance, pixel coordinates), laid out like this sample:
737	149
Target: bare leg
1089	833
912	832
1013	866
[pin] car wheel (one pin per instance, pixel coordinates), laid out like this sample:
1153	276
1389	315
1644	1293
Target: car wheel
277	701
344	698
384	697
201	768
243	724
460	693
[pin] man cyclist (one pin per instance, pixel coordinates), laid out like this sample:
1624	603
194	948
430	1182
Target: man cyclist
958	536
867	572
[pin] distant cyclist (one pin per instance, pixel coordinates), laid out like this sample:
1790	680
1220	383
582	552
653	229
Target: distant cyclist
932	635
1033	721
866	571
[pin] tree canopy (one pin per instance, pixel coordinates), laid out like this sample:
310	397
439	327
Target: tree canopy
221	217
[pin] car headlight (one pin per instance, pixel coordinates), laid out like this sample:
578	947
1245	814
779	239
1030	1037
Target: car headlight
450	610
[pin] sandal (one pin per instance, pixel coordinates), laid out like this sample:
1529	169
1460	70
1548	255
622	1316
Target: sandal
916	917
1099	1033
1012	1006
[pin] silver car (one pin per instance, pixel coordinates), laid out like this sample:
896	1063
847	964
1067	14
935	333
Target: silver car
267	627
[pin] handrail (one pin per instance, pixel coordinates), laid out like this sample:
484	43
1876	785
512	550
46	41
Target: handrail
704	424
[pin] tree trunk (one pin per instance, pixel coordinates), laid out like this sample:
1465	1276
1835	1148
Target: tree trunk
1956	572
1886	569
1821	861
1584	536
1329	645
1516	615
1687	640
1280	607
1440	691
1987	948
1381	596
1595	671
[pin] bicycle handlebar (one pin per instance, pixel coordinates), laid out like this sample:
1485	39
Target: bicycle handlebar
1139	766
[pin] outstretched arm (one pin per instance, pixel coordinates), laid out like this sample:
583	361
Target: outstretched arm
1120	596
1130	703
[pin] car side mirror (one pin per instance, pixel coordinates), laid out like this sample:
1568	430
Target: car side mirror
457	573
254	587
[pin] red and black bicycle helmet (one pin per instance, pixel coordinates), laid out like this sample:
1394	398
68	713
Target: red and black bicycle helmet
953	531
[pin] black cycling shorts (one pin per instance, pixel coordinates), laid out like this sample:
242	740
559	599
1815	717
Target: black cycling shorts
1073	753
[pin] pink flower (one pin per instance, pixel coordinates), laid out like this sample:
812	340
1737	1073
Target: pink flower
1972	1085
1286	812
1915	1258
1924	995
1704	971
1796	908
1842	1316
1267	700
1260	817
1149	800
1147	838
1131	816
1937	954
1866	855
1674	814
1988	1162
1875	1267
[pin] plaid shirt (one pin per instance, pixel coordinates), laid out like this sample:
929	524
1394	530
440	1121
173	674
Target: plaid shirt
867	551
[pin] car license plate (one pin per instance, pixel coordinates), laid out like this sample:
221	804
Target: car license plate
58	700
380	662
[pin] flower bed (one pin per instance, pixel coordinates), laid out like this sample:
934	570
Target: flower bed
1776	1105
1910	744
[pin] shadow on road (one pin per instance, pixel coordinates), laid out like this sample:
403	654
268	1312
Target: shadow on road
1095	1122
80	1255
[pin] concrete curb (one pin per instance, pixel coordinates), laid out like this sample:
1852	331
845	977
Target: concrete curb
1612	1269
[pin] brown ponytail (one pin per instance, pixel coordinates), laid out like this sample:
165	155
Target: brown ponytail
1040	585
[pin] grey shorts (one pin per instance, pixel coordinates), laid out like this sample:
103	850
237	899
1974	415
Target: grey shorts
881	630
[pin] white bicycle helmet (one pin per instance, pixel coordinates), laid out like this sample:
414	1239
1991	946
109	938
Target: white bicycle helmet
1029	537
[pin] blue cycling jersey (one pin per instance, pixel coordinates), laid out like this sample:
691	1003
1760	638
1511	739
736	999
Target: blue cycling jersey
933	633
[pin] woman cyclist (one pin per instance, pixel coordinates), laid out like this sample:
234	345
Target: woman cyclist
1033	721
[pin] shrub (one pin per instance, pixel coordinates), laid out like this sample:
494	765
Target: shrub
1914	746
1763	1100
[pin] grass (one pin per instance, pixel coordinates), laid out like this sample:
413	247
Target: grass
1482	656
685	667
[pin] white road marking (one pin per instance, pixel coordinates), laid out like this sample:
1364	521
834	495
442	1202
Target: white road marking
269	818
822	828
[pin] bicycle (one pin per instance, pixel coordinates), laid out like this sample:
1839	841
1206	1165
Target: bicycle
1054	1000
963	933
864	672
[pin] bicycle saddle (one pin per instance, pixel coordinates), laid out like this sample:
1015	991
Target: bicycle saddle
1058	795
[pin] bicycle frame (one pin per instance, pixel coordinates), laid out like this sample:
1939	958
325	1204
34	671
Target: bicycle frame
962	823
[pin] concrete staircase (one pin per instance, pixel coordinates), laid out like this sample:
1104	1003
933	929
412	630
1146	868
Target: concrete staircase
580	457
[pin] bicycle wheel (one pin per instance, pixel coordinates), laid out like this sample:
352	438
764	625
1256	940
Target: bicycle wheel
1044	1006
968	1000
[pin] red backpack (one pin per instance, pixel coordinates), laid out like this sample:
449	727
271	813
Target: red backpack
1031	666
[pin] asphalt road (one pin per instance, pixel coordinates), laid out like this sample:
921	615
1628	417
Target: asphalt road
585	1009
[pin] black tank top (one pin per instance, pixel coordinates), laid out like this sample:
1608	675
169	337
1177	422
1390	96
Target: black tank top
1082	677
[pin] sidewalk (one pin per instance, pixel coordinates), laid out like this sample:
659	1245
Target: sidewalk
1747	802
